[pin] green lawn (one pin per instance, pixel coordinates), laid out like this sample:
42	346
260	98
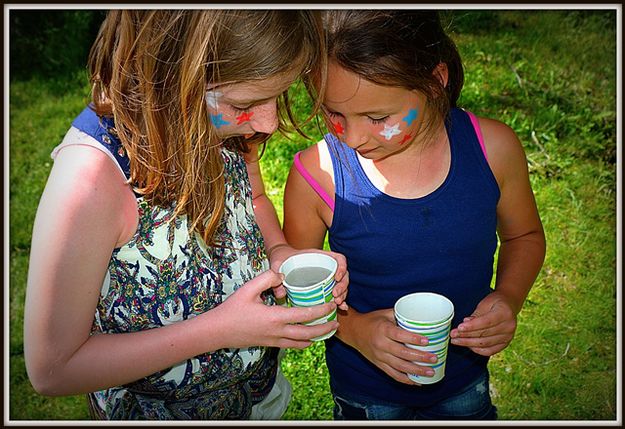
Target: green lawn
551	76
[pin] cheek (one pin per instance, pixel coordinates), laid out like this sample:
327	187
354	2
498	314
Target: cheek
399	131
336	125
264	113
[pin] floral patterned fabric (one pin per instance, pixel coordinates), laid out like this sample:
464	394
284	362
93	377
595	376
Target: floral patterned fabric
165	275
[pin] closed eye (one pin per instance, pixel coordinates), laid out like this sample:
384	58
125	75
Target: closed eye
378	120
239	110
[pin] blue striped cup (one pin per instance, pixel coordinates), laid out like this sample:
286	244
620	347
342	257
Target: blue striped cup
430	315
309	281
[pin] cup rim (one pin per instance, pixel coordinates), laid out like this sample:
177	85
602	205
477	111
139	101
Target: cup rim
331	264
424	322
425	326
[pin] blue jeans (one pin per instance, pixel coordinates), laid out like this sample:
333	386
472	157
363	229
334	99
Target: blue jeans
472	403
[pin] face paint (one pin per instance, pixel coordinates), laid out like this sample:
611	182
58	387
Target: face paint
244	117
218	120
389	132
212	98
338	127
405	138
412	115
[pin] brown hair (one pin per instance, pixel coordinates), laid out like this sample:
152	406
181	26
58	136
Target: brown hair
150	69
398	48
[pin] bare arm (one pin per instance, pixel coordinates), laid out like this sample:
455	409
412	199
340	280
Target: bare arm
80	219
306	216
522	251
303	225
264	210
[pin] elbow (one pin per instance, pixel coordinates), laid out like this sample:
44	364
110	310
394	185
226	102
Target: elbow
540	246
44	378
44	382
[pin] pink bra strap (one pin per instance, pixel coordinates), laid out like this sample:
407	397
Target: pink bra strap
478	132
312	182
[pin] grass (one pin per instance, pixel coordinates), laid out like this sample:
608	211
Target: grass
551	76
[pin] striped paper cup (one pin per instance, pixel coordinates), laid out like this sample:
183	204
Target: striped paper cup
309	281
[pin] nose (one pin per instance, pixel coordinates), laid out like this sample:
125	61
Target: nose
354	136
265	119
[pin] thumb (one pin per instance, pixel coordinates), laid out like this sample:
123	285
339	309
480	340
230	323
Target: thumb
262	282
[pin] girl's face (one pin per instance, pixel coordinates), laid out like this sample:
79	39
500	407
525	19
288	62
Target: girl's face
375	120
246	108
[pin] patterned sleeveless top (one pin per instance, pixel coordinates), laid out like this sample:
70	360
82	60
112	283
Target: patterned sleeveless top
164	275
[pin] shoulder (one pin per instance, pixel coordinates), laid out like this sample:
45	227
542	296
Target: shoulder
316	159
503	147
85	185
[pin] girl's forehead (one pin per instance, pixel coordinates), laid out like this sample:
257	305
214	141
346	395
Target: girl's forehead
347	90
254	90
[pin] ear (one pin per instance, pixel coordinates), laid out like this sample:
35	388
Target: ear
441	73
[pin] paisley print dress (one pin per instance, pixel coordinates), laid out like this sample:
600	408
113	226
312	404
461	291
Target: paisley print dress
164	275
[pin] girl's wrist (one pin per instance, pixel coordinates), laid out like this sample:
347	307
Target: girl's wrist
273	248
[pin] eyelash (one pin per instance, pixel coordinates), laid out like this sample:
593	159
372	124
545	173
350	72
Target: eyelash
373	120
241	109
378	121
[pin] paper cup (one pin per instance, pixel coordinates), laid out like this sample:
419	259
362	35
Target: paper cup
428	314
309	281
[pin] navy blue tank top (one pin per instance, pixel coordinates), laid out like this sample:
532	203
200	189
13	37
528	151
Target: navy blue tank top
443	242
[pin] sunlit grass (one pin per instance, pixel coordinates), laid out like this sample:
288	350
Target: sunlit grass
549	75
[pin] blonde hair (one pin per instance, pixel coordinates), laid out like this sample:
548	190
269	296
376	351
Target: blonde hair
150	69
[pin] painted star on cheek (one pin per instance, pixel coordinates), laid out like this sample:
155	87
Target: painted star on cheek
244	117
389	132
338	128
218	120
212	97
405	138
412	115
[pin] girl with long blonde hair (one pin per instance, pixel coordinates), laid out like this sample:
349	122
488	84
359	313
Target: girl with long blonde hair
149	284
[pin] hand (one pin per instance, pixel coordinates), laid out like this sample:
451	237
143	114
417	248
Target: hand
281	252
489	329
250	322
381	341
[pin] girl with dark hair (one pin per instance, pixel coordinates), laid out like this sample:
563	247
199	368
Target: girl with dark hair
417	194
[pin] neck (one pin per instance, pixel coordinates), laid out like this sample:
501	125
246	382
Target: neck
414	172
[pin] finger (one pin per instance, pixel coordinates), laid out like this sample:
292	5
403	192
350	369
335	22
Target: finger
407	367
307	332
306	314
402	336
414	355
504	327
473	323
482	341
341	270
489	351
402	377
340	297
262	282
279	291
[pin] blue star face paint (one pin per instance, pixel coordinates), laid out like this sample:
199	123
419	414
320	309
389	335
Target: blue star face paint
412	115
246	108
218	120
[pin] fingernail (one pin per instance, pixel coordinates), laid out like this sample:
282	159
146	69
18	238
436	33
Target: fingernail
433	358
429	373
423	341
